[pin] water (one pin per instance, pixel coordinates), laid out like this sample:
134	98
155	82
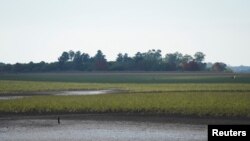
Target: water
95	130
98	130
85	92
10	97
62	93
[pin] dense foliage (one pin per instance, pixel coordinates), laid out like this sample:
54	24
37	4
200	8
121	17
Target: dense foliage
147	61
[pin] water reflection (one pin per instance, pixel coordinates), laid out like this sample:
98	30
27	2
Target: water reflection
58	93
10	97
76	130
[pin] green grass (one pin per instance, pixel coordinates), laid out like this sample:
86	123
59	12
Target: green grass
7	86
156	77
181	103
196	94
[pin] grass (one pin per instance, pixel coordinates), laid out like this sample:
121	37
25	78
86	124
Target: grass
7	86
157	77
188	103
155	93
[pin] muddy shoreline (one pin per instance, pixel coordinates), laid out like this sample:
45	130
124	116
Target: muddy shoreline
98	130
131	117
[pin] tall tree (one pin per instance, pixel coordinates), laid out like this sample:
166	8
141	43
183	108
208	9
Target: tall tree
173	60
77	60
86	62
100	61
64	57
152	59
119	58
71	55
123	62
199	57
187	58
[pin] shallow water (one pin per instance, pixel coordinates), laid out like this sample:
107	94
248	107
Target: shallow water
92	130
10	97
58	93
85	92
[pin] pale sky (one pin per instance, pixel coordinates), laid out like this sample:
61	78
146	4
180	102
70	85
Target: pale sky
40	30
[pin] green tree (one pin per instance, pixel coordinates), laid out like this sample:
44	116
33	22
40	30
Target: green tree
138	61
199	57
71	55
173	60
119	58
86	62
187	58
219	67
100	61
64	57
77	60
152	60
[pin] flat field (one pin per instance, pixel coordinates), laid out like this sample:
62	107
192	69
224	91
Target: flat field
131	77
192	94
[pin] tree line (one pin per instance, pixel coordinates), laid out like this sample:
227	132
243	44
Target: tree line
151	60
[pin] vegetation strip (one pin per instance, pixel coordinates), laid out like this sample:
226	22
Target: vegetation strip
187	103
126	77
20	87
152	60
227	99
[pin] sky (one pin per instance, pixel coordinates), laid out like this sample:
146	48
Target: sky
40	30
